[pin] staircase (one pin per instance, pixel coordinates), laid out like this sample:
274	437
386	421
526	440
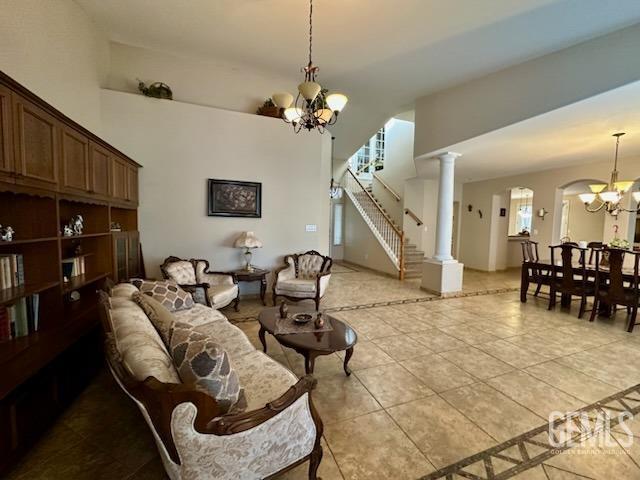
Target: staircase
405	256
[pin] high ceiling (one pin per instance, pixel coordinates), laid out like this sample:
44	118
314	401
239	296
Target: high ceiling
576	134
382	54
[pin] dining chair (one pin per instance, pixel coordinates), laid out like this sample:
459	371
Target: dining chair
534	274
571	276
613	286
593	246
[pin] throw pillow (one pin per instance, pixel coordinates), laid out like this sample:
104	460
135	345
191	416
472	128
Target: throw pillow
201	361
167	292
161	318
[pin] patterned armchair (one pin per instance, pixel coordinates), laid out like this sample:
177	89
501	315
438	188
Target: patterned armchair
214	289
304	276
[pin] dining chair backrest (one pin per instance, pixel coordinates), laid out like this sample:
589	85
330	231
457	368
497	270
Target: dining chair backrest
593	246
617	291
568	267
530	251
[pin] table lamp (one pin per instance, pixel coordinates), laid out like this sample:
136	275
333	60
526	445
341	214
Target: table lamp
248	241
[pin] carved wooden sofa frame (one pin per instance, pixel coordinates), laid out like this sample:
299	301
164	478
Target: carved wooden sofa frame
160	399
325	270
192	288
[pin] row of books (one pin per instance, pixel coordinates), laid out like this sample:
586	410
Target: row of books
72	267
11	271
21	318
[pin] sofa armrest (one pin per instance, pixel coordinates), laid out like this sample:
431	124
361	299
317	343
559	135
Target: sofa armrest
286	272
322	282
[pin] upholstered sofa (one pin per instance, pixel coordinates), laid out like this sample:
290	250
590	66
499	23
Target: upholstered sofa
214	289
303	276
278	430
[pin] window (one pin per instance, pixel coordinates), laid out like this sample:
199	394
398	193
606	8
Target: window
520	211
370	154
337	223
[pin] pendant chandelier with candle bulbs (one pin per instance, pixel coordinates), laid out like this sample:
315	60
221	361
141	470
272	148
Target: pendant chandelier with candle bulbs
313	109
610	196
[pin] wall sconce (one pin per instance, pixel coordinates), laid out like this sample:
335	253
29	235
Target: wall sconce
542	212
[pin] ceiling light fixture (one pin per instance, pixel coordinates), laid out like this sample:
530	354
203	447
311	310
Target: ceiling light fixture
313	109
609	197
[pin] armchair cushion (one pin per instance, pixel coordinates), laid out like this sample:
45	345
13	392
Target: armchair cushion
204	363
297	285
181	272
222	295
167	292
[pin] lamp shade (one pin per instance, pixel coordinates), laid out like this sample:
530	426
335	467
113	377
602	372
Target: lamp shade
636	196
587	197
623	186
610	196
337	101
292	114
282	100
247	240
325	114
309	90
597	187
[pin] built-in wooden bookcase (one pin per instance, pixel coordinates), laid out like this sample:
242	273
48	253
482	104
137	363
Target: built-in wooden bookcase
52	169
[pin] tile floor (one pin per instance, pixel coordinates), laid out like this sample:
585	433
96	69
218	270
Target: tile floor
434	382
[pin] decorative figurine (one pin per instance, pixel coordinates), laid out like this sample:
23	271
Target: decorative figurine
319	322
74	227
283	310
156	90
6	233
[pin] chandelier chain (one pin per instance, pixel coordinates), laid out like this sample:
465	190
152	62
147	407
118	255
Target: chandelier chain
310	29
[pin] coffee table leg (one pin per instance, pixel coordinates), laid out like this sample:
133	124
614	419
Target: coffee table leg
309	362
347	357
262	339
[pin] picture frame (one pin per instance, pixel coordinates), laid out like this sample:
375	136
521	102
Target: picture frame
234	198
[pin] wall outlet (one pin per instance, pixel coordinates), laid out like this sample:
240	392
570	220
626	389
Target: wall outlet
311	228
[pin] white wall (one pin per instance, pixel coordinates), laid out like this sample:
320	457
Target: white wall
54	49
398	166
361	246
582	224
182	145
475	235
216	83
526	90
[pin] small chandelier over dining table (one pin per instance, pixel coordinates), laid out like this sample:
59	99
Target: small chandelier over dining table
313	109
609	196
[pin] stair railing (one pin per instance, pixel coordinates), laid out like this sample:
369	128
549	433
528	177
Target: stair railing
408	211
387	188
388	234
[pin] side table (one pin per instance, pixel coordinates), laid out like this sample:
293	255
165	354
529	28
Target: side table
255	275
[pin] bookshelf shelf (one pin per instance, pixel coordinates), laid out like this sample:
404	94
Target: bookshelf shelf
9	295
28	240
87	235
82	255
80	281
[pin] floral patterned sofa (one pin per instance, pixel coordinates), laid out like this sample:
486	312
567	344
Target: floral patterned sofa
278	430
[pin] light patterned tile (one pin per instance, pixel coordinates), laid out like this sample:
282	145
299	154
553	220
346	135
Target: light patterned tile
476	362
437	373
401	347
514	355
393	384
438	341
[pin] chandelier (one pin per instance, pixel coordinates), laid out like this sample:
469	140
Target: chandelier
313	108
609	196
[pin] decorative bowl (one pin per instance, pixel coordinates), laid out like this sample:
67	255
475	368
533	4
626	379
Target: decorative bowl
301	317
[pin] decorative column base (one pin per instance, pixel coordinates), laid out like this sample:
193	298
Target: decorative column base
444	278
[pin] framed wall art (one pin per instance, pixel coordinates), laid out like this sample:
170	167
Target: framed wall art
233	198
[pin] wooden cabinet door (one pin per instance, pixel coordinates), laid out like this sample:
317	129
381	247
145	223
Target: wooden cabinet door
99	170
74	172
133	254
6	136
132	184
120	256
119	185
36	137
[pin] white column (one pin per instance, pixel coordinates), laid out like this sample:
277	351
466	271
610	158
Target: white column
444	227
442	274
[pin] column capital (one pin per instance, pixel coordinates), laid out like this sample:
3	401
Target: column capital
447	156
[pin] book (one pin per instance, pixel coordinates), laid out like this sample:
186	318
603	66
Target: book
30	317
12	320
36	311
11	271
22	326
20	271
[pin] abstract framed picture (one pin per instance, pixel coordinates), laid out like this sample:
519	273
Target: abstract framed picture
233	198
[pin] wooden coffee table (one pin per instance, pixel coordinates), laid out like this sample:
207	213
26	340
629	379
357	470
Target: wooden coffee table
311	344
